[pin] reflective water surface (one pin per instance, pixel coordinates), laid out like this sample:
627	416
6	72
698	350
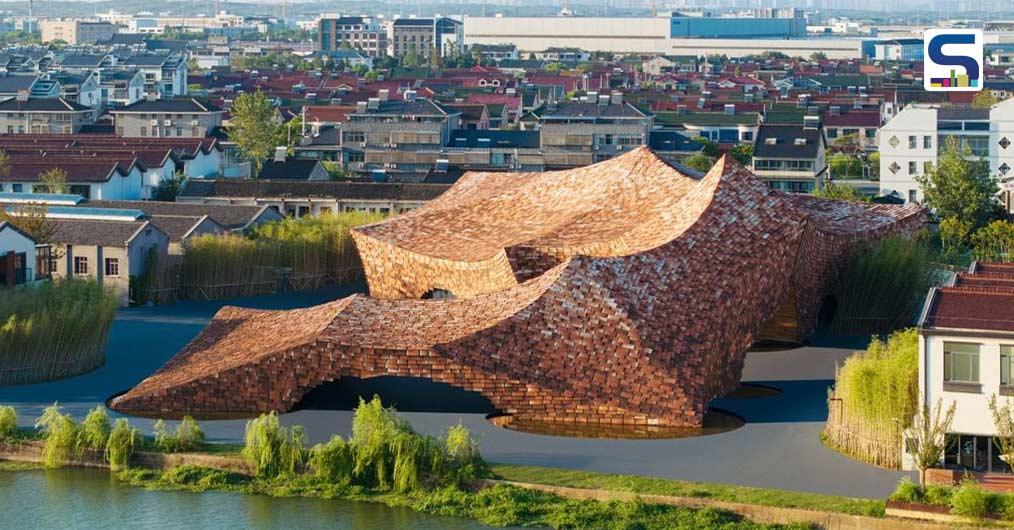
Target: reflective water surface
91	499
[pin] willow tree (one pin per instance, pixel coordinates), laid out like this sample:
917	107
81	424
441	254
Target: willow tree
1003	420
253	126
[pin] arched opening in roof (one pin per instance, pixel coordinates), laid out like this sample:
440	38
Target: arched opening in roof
438	294
407	394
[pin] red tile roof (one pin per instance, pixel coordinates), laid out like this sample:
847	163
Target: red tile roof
981	300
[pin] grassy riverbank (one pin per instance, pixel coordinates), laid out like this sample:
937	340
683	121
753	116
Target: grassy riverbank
678	488
498	505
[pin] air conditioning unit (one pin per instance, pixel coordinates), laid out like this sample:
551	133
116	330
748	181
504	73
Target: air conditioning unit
154	123
195	122
168	123
394	146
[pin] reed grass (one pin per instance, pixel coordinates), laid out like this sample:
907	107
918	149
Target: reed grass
874	400
290	254
882	286
53	330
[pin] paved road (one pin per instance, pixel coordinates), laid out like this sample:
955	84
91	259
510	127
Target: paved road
779	447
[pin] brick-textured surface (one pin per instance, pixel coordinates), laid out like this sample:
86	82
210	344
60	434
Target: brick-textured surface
623	292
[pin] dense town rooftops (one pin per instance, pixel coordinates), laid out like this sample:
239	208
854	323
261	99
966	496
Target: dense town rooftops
230	216
980	300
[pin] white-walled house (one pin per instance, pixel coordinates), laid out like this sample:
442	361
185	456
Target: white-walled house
911	142
966	356
90	178
17	256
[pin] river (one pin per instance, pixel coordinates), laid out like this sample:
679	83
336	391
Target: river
86	499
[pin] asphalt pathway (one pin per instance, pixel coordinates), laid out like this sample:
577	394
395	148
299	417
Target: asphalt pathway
778	447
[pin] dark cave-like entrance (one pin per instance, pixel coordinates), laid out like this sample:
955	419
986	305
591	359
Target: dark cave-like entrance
407	394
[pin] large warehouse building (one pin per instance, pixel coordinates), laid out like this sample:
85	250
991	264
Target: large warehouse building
670	34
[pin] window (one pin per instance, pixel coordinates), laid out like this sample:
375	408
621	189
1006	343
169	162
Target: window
913	142
912	194
747	136
112	266
16	188
80	265
144	131
961	362
927	142
913	168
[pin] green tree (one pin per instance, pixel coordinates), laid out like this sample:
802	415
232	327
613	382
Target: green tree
169	187
994	242
839	192
372	75
253	127
954	234
32	219
411	58
334	169
700	162
960	187
743	153
984	100
54	180
929	434
436	61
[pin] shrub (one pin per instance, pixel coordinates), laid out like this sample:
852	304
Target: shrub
8	423
60	434
187	437
907	491
332	461
994	242
271	448
53	330
938	495
462	451
94	430
123	440
970	500
199	477
1005	507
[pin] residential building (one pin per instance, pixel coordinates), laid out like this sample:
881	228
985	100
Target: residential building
12	84
110	246
282	168
597	128
667	64
673	146
364	34
966	356
790	157
494	52
556	54
731	126
73	31
235	218
911	142
17	256
392	139
311	198
486	150
165	76
28	115
473	116
120	88
422	35
95	178
168	118
82	89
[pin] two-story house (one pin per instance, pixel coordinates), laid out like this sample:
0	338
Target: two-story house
966	356
791	157
597	128
28	115
167	118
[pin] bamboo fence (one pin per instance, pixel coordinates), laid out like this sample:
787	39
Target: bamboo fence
868	441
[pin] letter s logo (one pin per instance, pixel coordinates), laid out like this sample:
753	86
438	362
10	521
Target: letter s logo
960	69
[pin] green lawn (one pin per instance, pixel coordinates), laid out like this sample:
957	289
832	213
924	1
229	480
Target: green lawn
679	488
